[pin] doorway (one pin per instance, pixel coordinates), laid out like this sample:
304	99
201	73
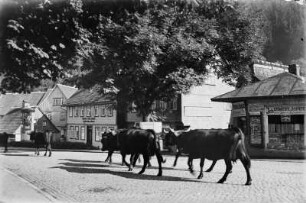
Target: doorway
89	135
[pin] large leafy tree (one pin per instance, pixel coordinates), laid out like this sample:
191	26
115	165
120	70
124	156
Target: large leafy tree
136	51
38	39
161	49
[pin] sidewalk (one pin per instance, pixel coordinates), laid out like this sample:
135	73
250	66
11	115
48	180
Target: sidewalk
14	189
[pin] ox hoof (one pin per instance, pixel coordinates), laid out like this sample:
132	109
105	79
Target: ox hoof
159	174
248	183
221	181
200	176
141	172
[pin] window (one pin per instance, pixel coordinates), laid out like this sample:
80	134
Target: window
76	111
82	111
77	132
103	110
110	111
173	104
162	105
70	112
71	132
49	115
103	129
44	123
97	134
134	108
88	111
82	133
57	101
96	111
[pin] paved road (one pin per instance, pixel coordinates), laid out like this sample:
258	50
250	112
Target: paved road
84	177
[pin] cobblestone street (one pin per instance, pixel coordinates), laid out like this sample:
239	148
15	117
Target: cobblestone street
84	177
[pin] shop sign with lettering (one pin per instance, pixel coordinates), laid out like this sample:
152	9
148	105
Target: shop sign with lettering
88	119
277	110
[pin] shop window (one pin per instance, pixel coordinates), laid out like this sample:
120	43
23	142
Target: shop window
255	134
286	131
97	134
83	133
103	110
77	133
71	132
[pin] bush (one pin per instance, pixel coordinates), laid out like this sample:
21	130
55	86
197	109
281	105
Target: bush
55	145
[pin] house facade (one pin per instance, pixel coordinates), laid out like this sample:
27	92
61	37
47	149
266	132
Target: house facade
272	112
89	114
52	106
18	113
194	109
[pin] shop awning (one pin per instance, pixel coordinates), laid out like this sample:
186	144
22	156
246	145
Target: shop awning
281	85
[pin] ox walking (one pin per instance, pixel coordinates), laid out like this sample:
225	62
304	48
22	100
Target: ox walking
213	144
134	142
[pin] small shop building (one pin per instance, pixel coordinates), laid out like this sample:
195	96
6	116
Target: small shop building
89	115
272	113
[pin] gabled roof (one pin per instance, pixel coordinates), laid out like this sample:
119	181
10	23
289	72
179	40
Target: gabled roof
12	100
49	121
281	85
85	96
10	122
68	91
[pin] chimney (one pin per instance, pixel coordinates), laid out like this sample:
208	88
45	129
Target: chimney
294	69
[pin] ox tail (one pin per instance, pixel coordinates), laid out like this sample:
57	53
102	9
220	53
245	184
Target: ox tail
238	138
242	148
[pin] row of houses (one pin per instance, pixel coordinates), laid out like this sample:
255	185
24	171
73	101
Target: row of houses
22	113
271	111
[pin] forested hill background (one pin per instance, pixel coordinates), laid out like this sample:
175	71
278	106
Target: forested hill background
285	31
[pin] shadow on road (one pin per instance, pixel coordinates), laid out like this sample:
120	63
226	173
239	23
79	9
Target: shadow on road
86	168
16	154
138	165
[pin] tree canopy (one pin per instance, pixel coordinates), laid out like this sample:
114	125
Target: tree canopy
137	51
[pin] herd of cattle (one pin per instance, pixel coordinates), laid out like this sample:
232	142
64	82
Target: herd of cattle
212	144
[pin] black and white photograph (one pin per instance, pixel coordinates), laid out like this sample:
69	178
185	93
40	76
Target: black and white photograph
133	101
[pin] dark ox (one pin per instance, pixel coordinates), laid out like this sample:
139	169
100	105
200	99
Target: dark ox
110	143
214	144
41	140
170	140
134	142
4	140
